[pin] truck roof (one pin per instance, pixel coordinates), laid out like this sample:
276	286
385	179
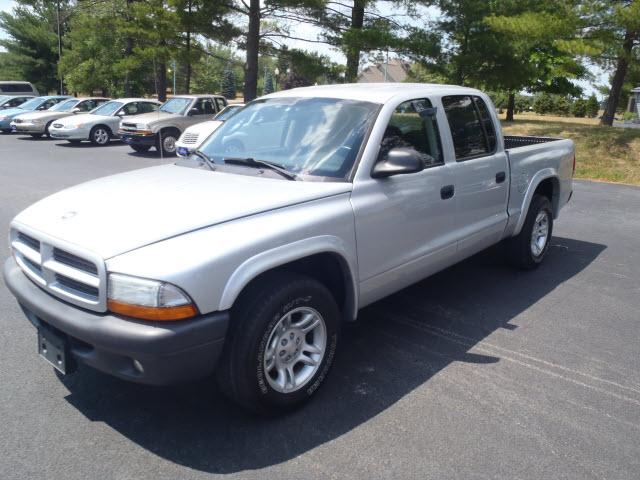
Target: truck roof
373	92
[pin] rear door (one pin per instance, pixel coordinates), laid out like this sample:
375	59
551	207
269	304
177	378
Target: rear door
481	173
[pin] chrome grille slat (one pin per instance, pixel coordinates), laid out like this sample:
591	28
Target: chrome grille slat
65	271
190	138
74	261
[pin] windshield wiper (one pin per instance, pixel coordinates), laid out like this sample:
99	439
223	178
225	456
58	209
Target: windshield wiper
252	162
206	159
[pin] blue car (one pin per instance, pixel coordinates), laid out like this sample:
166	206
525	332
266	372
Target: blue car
35	104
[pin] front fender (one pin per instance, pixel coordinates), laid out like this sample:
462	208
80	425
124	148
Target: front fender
281	255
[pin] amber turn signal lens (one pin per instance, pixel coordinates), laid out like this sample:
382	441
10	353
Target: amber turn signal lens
161	314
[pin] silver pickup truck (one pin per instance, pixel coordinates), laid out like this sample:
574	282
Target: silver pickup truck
245	258
162	128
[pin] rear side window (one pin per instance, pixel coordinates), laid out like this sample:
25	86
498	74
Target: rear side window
220	103
15	87
413	124
471	126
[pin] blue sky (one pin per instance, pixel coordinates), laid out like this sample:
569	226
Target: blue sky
304	31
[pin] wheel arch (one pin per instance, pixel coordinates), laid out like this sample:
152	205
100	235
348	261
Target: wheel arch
103	125
323	258
547	183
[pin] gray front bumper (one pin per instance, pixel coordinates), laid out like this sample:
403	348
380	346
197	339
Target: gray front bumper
170	352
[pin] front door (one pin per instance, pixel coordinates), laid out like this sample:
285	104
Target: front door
405	224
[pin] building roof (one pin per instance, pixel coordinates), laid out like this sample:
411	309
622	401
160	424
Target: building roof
396	71
368	92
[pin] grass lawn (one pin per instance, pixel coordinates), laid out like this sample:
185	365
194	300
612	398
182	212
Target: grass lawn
602	153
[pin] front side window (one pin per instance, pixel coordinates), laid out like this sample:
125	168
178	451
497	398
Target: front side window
54	101
413	124
147	107
307	136
204	106
467	130
175	105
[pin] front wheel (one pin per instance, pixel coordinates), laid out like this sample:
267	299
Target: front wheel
281	344
528	249
166	142
99	135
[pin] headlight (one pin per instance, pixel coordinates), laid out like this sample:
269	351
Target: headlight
147	299
77	125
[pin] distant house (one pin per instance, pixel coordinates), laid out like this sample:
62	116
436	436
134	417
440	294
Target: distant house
394	71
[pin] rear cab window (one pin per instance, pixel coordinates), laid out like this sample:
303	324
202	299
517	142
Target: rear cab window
472	129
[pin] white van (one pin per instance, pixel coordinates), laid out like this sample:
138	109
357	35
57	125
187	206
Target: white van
17	88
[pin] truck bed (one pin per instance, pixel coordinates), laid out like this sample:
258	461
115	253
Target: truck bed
515	141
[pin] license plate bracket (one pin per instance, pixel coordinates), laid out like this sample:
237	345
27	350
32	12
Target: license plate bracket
54	348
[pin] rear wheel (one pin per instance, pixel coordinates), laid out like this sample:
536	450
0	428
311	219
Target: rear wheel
100	135
281	343
528	249
141	148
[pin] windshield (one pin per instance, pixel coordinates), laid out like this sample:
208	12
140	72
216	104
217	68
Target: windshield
175	105
309	136
227	112
4	98
32	104
64	106
107	109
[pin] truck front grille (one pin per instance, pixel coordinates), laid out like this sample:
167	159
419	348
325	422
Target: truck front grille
190	138
74	276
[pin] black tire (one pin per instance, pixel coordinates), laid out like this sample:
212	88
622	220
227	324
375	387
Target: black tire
258	310
164	139
100	135
46	129
141	148
519	248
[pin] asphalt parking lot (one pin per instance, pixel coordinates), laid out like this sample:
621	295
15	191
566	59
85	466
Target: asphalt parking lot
477	372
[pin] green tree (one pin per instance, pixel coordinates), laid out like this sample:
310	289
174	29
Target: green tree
229	84
268	84
32	43
592	106
618	29
543	104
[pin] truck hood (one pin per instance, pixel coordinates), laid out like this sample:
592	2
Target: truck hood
116	214
148	118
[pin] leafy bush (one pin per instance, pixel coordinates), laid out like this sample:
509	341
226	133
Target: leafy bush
629	116
579	108
593	106
543	104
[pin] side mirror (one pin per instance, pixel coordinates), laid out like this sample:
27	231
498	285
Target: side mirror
194	111
75	110
398	161
120	114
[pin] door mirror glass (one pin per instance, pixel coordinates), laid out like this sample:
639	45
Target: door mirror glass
194	111
398	161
